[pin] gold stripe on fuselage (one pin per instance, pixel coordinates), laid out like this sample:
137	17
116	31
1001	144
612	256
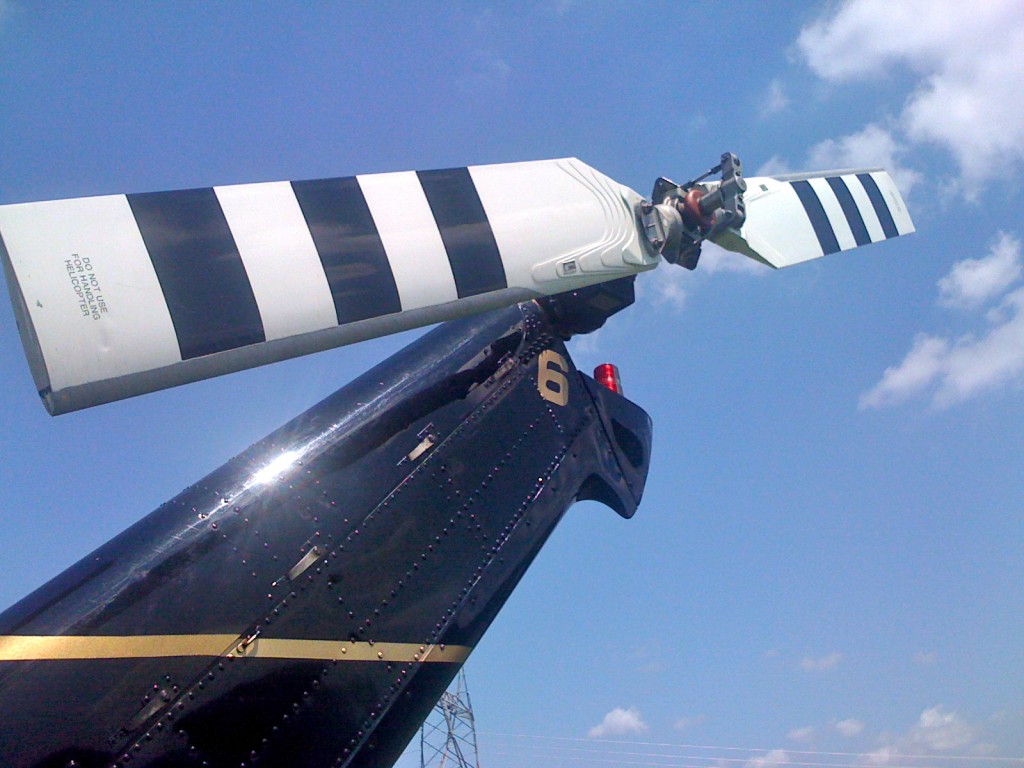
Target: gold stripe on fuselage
53	648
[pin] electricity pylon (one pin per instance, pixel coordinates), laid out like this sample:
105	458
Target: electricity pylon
448	736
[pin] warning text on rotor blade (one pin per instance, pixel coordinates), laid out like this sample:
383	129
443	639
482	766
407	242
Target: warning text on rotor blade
86	286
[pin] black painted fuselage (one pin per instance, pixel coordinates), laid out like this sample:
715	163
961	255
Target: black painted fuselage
307	603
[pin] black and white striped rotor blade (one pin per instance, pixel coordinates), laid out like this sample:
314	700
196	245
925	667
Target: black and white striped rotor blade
125	294
798	217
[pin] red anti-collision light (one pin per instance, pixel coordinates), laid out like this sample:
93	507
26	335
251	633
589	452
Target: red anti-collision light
607	375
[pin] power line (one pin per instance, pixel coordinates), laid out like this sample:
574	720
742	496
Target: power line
771	755
769	761
674	761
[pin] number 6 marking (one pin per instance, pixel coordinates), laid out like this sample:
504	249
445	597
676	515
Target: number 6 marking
551	380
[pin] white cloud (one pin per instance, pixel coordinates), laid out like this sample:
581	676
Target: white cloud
803	735
941	731
715	259
871	146
963	369
775	100
923	363
975	365
698	122
687	723
926	658
882	756
850	727
972	282
771	759
666	286
669	286
822	663
619	722
970	60
957	369
586	345
773	166
937	732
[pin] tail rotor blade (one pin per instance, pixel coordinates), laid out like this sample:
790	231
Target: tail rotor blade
120	295
796	218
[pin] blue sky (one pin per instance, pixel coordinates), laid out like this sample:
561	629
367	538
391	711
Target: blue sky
827	565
